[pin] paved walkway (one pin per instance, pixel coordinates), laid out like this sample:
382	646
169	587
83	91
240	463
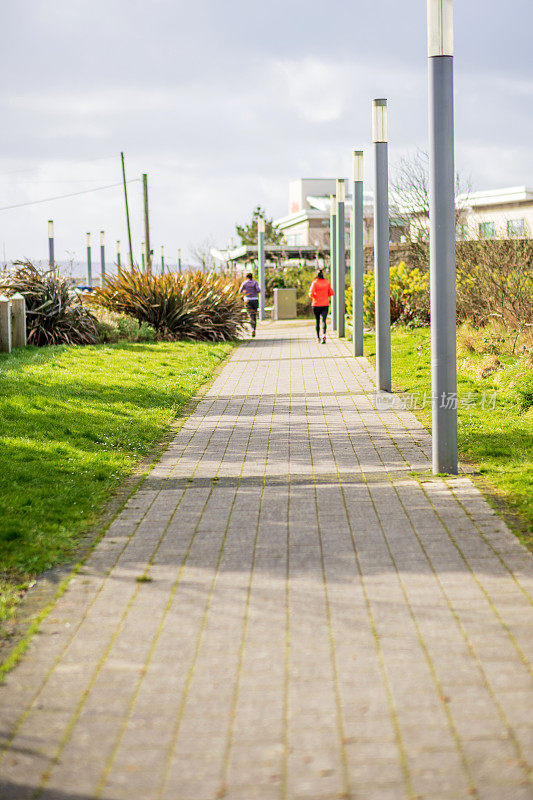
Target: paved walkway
285	610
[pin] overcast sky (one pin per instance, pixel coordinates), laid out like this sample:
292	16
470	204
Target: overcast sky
222	102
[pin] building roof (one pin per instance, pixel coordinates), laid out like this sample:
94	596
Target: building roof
497	197
248	252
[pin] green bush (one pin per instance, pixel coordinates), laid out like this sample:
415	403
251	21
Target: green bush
409	290
54	314
107	332
113	328
173	306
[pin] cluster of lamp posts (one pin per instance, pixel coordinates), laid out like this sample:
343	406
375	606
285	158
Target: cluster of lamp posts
146	263
442	244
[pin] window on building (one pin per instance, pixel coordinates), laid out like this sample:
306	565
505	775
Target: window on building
516	227
462	232
294	239
487	230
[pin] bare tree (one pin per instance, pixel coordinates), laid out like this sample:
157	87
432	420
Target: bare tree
201	253
410	195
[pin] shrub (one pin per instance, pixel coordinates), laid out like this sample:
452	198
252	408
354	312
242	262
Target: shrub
409	296
114	328
495	277
193	305
54	314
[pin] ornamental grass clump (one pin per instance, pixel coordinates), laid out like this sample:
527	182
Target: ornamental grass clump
54	314
194	305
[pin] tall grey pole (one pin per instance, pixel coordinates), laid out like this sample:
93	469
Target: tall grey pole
357	255
442	237
333	258
51	259
102	256
381	245
340	291
89	263
118	253
261	262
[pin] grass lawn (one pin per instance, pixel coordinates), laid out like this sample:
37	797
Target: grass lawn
497	440
74	422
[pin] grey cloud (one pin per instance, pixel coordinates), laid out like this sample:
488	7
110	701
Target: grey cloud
224	102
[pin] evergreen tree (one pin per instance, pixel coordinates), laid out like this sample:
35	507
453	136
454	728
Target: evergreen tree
248	233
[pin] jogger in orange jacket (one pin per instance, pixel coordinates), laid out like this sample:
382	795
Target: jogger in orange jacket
320	291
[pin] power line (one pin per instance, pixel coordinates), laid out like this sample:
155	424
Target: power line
63	196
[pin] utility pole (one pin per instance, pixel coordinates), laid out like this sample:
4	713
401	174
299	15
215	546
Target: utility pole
127	208
146	224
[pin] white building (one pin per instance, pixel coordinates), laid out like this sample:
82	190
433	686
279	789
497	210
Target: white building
503	213
307	222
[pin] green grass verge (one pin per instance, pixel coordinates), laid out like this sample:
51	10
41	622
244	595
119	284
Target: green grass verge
74	423
497	440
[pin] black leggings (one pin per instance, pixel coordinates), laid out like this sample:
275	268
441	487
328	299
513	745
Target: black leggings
252	307
321	313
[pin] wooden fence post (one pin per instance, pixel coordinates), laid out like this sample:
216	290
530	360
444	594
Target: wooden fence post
5	324
18	320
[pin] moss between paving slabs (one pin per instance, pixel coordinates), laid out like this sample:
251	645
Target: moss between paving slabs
495	432
74	422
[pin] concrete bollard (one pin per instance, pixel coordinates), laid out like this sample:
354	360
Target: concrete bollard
5	324
18	320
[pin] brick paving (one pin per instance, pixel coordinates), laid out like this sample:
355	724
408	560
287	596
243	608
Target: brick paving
317	616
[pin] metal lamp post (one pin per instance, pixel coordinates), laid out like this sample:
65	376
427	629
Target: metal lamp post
333	257
357	255
162	260
261	264
51	243
341	260
442	236
89	262
381	245
102	256
118	253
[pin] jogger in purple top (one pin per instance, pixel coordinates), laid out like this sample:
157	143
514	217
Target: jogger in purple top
251	291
